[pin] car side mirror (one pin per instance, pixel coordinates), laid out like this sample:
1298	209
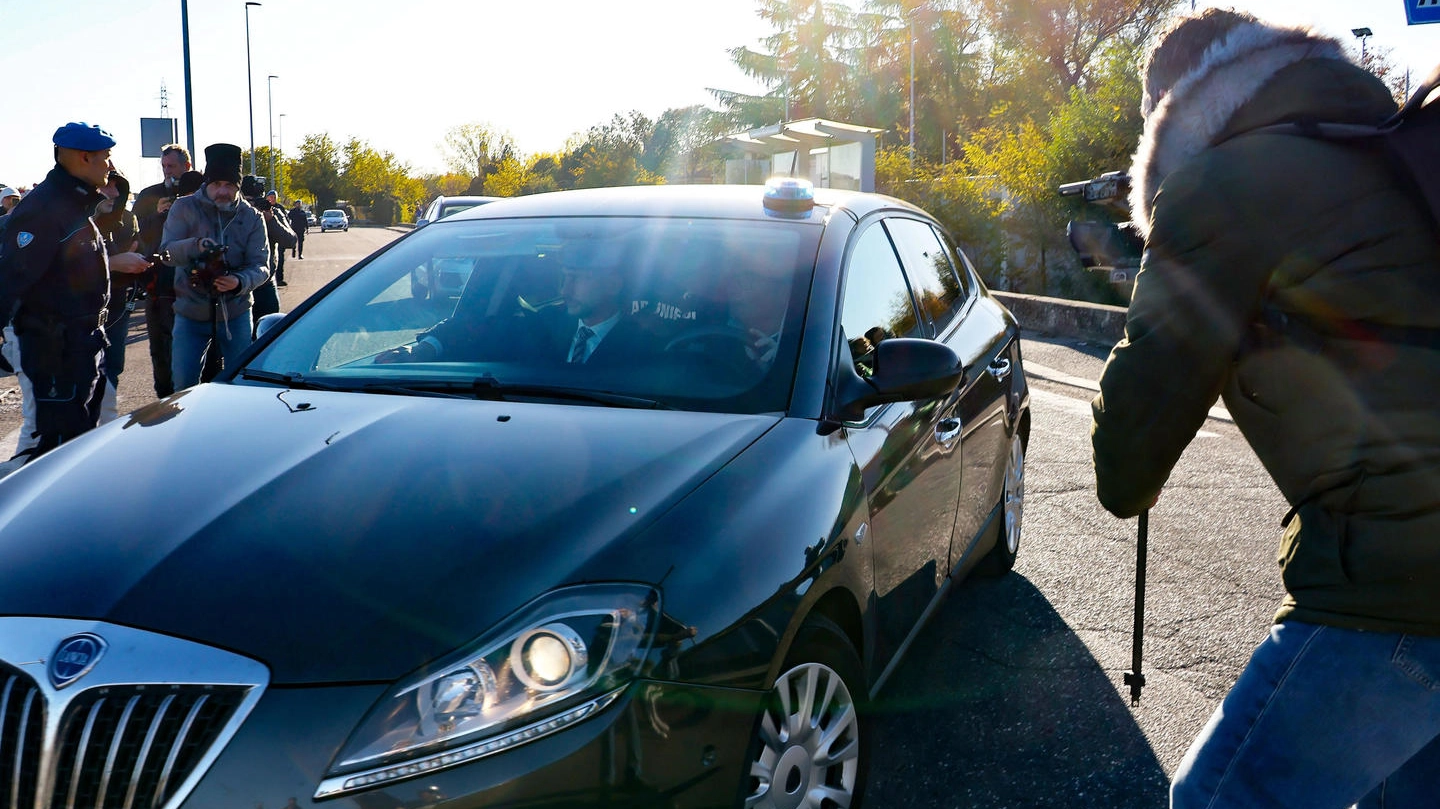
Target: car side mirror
420	223
906	369
267	323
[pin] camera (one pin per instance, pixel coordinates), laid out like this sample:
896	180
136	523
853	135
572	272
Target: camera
1114	248
206	267
1112	185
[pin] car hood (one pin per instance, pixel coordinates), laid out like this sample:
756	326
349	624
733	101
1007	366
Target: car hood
336	536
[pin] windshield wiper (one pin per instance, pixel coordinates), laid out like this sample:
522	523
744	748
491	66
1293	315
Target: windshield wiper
485	387
291	380
488	387
299	382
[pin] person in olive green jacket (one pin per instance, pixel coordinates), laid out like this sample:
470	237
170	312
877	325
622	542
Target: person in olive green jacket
1299	280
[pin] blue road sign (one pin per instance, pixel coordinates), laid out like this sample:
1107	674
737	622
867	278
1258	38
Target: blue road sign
1418	12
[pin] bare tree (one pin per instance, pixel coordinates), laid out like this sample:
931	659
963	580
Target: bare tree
472	149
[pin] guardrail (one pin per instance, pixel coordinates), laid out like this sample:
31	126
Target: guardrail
1096	322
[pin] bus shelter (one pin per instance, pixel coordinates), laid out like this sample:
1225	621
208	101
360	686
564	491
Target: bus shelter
829	154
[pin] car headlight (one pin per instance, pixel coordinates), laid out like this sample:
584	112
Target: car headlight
555	662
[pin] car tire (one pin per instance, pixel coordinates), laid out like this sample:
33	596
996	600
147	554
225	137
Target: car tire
1001	558
812	714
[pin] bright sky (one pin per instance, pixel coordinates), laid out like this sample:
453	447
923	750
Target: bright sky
400	74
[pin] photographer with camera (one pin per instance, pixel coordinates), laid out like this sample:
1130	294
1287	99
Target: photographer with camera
216	241
152	205
1294	278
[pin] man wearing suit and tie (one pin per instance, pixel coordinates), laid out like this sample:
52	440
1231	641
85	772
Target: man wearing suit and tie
589	326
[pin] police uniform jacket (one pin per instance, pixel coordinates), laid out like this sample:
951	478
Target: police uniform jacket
53	266
242	230
1272	263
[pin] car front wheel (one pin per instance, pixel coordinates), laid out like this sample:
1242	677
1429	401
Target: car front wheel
811	744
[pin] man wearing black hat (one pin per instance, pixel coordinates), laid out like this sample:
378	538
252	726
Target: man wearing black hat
217	243
55	282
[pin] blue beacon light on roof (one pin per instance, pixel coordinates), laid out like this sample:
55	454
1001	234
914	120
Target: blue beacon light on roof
789	194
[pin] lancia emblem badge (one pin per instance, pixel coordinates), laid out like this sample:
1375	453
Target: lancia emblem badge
74	658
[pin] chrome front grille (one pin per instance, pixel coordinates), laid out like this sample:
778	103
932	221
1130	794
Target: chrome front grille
22	727
129	748
129	734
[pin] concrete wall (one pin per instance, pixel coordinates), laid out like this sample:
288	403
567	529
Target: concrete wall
1063	318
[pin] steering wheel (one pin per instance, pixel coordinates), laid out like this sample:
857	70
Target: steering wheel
735	359
728	334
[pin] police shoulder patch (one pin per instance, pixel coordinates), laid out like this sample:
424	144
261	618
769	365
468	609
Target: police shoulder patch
24	238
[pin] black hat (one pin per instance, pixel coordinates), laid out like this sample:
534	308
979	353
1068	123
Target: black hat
222	162
190	182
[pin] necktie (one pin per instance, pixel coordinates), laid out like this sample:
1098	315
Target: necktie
580	348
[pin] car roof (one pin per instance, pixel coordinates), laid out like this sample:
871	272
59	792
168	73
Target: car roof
466	200
700	201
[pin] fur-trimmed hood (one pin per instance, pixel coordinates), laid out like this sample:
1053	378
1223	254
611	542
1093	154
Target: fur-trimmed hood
1203	101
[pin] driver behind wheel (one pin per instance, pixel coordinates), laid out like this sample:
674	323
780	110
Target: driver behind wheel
589	324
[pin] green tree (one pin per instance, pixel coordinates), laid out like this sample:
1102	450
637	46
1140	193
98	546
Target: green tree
611	154
315	172
1020	169
943	37
378	181
803	63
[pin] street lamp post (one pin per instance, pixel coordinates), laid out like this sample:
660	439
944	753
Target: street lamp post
270	118
1362	34
189	100
249	85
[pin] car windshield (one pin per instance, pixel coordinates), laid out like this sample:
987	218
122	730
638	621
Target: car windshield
699	314
451	208
333	213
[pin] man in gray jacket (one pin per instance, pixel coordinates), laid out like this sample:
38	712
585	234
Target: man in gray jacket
217	244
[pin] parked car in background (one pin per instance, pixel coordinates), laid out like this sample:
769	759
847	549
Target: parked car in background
465	555
443	277
310	220
443	206
334	219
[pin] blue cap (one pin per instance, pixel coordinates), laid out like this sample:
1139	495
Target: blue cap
83	136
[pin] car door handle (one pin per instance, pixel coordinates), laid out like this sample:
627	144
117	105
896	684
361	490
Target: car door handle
999	368
947	430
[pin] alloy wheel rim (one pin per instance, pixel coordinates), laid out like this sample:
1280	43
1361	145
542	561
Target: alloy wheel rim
809	743
1014	495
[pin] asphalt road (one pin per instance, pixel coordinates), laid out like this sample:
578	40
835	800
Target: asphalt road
1012	696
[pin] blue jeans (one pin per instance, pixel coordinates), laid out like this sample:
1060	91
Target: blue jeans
1322	718
190	337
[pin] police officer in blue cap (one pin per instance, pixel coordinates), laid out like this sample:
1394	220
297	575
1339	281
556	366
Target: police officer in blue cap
55	282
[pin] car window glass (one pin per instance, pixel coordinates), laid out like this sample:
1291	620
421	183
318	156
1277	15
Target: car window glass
699	314
877	303
927	263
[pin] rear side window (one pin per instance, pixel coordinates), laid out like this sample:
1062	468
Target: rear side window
939	290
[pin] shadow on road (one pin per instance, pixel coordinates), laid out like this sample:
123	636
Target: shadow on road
1013	711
